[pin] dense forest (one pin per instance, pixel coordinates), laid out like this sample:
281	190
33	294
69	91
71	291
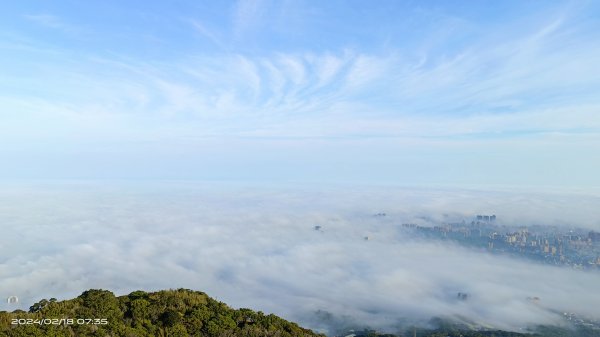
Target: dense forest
172	313
182	312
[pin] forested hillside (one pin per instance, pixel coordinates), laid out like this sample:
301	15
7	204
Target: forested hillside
173	313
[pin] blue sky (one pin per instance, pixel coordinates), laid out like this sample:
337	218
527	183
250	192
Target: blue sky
415	92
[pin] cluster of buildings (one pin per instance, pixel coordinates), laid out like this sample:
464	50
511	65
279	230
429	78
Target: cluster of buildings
582	321
577	248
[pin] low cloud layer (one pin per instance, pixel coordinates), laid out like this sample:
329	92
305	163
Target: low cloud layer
258	248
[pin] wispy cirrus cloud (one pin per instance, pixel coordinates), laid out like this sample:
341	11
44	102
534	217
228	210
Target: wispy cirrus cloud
207	33
533	82
54	22
475	81
246	15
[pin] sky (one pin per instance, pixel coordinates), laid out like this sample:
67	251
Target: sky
163	144
394	92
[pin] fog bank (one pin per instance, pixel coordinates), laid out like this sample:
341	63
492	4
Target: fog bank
258	248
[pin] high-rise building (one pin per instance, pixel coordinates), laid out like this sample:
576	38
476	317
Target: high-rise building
485	218
594	236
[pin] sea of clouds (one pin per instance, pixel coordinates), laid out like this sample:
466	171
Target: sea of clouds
257	247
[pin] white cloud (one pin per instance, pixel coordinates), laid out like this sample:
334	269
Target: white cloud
246	15
209	34
328	67
526	87
54	22
257	248
481	90
47	20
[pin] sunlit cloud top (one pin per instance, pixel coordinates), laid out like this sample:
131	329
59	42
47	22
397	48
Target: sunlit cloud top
436	92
